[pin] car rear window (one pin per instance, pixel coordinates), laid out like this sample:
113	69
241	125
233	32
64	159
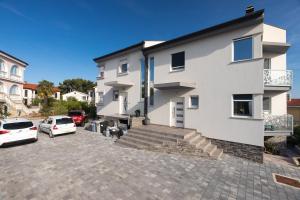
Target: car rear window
64	121
17	125
75	113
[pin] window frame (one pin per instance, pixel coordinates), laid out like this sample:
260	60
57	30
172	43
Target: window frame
121	63
190	102
101	71
250	110
177	68
270	104
101	98
233	48
116	91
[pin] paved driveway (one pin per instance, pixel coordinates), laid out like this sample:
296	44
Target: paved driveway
89	166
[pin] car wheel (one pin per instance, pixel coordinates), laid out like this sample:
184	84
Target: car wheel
51	134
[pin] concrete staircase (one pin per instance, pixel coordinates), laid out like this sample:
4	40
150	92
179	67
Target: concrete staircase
177	140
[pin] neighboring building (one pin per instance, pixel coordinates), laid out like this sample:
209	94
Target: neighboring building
30	93
293	108
119	83
11	83
229	82
77	95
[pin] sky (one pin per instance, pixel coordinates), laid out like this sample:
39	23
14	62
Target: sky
60	38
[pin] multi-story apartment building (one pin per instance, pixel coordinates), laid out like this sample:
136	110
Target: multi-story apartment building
229	82
11	83
30	93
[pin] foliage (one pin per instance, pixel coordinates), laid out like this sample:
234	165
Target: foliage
36	101
77	84
45	90
272	148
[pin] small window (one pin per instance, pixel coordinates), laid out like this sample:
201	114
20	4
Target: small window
101	71
243	49
123	68
194	101
267	104
151	102
101	98
267	63
26	93
151	69
14	70
2	67
116	95
178	61
242	104
55	95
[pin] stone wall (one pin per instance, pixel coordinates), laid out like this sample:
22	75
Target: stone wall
250	152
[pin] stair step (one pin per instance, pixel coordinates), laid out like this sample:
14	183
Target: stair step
210	150
139	141
205	145
127	143
194	138
153	135
200	141
168	133
217	154
145	137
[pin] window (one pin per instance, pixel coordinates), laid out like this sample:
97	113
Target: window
14	90
101	71
26	93
194	101
267	104
115	95
151	69
267	63
83	98
65	120
2	65
151	102
123	68
101	97
242	104
55	95
17	125
178	61
243	49
14	70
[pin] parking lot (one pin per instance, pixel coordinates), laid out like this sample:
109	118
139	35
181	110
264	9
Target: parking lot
89	166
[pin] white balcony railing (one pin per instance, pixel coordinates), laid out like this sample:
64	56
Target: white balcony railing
13	77
278	123
278	77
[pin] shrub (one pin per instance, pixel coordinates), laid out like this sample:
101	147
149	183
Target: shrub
272	148
36	102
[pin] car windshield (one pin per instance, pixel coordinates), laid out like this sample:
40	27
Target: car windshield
74	113
17	125
64	121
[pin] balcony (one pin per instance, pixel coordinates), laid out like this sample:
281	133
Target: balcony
276	125
278	79
10	77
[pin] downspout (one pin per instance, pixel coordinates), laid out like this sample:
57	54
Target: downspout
146	121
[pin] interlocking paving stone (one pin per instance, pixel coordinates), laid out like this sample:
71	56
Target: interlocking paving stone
89	166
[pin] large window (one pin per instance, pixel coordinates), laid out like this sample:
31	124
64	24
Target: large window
14	70
178	61
267	104
242	105
194	101
151	69
243	49
2	65
14	90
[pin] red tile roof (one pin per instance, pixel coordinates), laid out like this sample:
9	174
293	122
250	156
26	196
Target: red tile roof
294	102
32	86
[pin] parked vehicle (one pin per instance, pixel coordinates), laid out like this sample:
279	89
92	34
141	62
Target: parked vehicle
57	125
78	116
17	130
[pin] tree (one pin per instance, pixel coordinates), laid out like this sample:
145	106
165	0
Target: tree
77	84
45	90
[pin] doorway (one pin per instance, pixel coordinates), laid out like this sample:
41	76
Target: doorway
177	112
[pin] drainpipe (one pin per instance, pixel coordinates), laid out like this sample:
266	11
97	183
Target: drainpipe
146	121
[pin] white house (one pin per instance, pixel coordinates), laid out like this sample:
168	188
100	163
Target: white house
77	95
11	83
229	82
30	93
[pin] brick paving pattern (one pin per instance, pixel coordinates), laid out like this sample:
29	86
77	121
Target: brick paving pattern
89	166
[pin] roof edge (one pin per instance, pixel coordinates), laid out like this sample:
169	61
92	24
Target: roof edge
13	57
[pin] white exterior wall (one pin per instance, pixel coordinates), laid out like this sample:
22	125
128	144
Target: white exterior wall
208	64
111	74
278	62
78	95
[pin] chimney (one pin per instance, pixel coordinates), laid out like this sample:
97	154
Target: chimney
249	10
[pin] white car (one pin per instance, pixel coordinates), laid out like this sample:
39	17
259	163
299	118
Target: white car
16	130
57	125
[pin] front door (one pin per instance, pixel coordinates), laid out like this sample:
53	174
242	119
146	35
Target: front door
123	100
177	112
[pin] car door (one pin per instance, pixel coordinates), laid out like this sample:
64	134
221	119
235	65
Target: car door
42	125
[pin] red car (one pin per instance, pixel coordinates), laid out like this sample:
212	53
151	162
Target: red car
78	116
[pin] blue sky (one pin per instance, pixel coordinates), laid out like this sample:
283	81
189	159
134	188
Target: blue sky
59	38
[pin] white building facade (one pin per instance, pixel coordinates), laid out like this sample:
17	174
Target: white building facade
77	95
11	83
229	82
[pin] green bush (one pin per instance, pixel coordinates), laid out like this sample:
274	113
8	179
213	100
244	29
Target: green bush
272	148
60	108
36	102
